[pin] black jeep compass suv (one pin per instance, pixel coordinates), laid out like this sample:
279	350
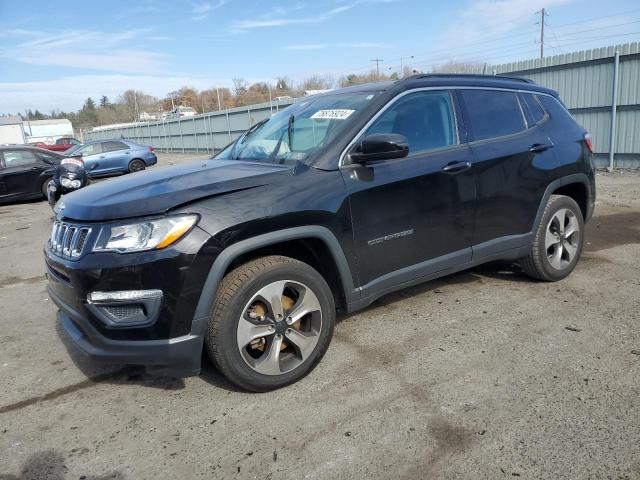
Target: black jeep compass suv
330	204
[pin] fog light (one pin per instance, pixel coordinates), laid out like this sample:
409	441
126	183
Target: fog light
125	308
124	296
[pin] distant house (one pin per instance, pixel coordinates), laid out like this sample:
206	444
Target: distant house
147	117
47	131
12	130
308	93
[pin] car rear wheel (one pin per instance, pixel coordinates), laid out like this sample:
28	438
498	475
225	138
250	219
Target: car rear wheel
558	242
136	165
272	322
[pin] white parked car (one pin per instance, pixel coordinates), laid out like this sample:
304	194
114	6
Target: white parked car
182	111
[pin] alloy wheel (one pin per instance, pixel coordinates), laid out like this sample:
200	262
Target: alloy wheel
562	238
279	327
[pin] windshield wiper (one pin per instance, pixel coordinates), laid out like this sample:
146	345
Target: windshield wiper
242	138
289	137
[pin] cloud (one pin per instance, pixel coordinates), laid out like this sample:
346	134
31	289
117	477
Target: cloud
201	10
365	45
85	49
489	18
313	46
320	46
275	18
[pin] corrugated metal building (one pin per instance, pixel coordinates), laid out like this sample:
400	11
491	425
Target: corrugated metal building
584	79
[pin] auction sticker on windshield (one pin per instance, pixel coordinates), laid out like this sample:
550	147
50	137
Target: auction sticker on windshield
333	114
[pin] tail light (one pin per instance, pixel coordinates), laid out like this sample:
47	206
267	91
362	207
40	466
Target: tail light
151	149
588	142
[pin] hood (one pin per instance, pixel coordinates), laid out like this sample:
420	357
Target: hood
156	191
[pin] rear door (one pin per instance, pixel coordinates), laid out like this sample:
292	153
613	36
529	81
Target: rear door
509	152
413	216
20	174
116	155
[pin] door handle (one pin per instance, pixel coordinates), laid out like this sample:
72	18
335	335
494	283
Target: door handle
540	147
456	167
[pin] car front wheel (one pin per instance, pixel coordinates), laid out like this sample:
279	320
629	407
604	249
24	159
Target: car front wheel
271	323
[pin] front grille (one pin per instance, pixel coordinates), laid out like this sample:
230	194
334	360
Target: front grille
68	240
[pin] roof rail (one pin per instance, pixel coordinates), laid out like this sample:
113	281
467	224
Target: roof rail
470	75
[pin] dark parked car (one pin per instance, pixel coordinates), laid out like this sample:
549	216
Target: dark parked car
327	206
25	172
113	156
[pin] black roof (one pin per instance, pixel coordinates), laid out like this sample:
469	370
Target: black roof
449	80
29	147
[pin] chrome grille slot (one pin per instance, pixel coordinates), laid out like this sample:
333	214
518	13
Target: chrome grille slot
68	240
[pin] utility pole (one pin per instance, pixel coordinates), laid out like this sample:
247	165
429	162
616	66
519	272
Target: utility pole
377	60
543	15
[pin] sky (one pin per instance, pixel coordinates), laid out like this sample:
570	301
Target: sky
56	54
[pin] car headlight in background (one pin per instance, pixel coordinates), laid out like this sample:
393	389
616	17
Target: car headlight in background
147	235
68	183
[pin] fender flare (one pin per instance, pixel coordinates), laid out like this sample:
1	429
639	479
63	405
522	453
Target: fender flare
229	254
553	186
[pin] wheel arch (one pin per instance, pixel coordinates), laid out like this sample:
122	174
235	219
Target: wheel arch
297	242
579	192
574	184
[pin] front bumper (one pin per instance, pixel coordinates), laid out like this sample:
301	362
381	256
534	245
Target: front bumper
176	357
172	343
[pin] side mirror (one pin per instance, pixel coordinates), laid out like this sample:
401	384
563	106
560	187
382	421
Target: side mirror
380	146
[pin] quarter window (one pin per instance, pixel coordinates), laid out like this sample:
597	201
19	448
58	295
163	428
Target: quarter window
493	113
424	118
533	106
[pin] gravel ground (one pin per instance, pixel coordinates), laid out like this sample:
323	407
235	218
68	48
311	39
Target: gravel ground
471	376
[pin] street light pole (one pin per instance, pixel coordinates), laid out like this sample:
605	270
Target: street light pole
401	66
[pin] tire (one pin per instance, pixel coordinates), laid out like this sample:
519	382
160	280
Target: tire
555	251
239	314
43	188
136	165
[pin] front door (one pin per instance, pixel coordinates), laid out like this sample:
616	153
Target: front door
20	173
413	216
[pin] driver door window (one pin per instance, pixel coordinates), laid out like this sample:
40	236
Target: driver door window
92	149
19	158
425	118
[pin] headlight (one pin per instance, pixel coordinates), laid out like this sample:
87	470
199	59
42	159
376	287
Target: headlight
148	235
68	183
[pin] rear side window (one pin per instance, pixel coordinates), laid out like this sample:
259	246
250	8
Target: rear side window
493	113
536	113
425	118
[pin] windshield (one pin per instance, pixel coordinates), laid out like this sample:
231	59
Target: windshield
298	131
73	149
